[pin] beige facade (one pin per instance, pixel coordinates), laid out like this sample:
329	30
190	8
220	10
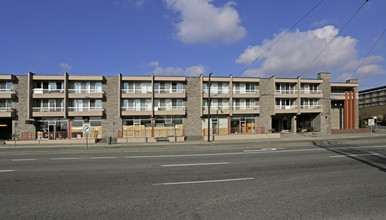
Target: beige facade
372	102
59	106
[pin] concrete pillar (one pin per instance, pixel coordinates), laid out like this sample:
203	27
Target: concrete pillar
354	112
345	108
349	110
293	124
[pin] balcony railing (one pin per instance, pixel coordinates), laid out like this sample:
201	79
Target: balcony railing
256	107
5	109
48	109
137	91
286	91
311	91
168	91
337	95
85	91
169	108
84	109
136	108
310	106
286	107
46	91
7	91
218	91
216	107
247	91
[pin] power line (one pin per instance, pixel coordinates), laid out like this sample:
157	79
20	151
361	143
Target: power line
368	53
285	33
328	44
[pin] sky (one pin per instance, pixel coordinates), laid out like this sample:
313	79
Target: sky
193	37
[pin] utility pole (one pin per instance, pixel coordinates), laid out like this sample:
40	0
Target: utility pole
209	84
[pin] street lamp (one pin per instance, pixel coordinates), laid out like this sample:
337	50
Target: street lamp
209	84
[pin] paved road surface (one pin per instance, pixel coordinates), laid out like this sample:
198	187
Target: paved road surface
314	182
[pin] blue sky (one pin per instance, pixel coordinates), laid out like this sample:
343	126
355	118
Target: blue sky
190	37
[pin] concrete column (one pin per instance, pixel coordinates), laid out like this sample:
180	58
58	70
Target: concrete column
293	124
354	112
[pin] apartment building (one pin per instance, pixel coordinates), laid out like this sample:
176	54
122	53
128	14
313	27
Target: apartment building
56	107
372	102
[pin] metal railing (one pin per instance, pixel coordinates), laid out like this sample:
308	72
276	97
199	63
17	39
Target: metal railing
47	91
7	91
169	108
84	109
48	109
218	91
286	107
216	107
311	91
247	91
85	91
5	109
137	91
168	91
136	108
256	107
286	91
337	95
310	106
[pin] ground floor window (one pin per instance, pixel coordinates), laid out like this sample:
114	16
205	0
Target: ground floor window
136	127
78	123
242	125
160	126
218	125
52	128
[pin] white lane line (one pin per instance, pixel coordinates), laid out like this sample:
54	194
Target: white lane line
102	158
203	181
65	158
193	164
23	159
355	155
4	171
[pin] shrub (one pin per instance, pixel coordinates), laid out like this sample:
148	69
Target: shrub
310	129
362	124
299	130
272	130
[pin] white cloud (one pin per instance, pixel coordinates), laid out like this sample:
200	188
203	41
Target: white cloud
65	66
201	21
127	4
189	71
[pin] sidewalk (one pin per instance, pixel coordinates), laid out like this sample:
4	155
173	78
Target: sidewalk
286	139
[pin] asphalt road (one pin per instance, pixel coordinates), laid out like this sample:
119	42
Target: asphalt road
312	182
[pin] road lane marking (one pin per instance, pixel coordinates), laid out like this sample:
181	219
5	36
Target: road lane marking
23	159
4	171
203	181
102	158
193	164
65	158
355	155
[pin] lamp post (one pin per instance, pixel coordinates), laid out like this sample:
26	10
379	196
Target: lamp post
209	84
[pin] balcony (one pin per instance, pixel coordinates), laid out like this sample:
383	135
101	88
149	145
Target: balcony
286	108
7	93
7	112
249	93
85	93
48	112
311	108
136	93
169	110
311	93
219	110
338	96
216	93
136	111
246	109
85	111
286	93
48	93
169	93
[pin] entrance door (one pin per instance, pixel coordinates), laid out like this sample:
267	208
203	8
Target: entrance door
52	130
137	128
243	125
214	126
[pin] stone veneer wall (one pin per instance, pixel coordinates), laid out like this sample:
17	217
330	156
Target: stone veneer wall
111	107
20	103
267	103
192	122
322	123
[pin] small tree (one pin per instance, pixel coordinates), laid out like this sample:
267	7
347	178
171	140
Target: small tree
380	117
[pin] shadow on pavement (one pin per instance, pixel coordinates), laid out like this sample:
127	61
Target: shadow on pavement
371	158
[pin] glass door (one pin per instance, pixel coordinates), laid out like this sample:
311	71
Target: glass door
52	130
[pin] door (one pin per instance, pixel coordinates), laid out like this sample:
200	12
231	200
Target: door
52	130
137	128
214	126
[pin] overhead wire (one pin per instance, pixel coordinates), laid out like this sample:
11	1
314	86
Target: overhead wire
331	40
284	34
368	53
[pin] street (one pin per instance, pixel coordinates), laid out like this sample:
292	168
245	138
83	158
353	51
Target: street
320	181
